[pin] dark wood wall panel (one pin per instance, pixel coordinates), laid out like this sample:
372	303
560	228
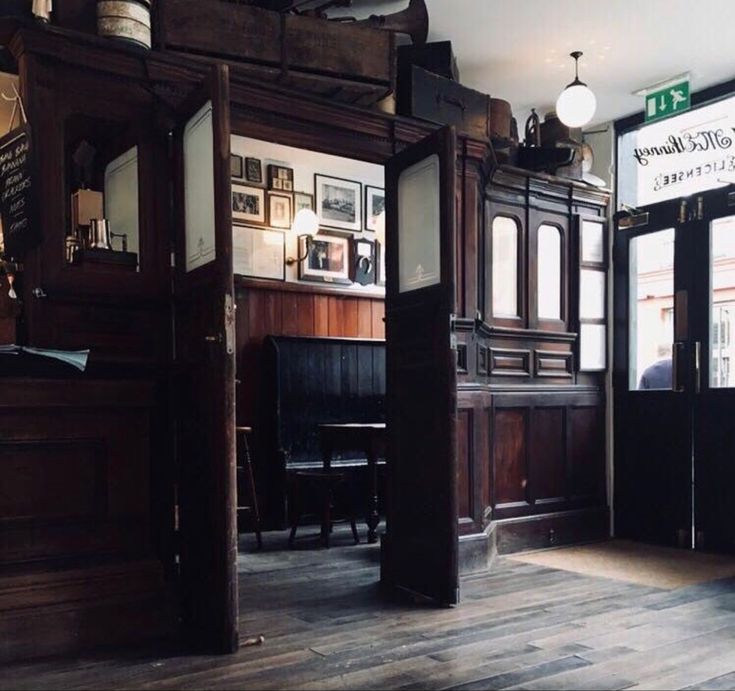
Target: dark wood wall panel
509	455
547	454
276	311
465	457
587	431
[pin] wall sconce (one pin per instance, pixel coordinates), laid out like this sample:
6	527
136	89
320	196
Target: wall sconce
306	223
576	104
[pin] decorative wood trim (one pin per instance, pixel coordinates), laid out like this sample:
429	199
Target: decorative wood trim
553	363
507	362
483	359
484	329
287	287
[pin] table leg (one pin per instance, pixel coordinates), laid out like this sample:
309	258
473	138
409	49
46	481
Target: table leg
373	517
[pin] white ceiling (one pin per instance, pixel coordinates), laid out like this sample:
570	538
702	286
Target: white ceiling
518	50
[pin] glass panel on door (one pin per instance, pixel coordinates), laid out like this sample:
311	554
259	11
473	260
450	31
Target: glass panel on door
651	310
722	302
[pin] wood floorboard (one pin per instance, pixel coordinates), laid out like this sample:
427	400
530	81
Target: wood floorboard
520	626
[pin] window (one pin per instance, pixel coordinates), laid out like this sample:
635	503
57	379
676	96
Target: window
505	267
549	272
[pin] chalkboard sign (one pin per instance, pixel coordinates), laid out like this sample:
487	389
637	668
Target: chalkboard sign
17	198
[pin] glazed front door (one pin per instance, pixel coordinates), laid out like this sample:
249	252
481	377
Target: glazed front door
674	383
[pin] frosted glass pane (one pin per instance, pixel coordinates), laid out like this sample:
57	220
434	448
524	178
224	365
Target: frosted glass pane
592	346
199	189
121	199
549	272
591	294
419	225
593	247
505	267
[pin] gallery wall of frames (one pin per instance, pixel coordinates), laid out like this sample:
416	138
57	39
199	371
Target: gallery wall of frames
271	183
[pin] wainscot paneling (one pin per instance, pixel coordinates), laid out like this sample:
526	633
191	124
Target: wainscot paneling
78	528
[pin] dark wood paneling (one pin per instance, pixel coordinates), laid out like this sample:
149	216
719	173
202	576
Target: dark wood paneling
587	457
465	455
510	363
553	364
552	529
33	473
510	456
548	452
278	311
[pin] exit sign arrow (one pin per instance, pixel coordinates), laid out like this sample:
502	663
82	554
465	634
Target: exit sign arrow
670	100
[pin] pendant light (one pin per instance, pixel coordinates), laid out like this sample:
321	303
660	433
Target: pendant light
576	104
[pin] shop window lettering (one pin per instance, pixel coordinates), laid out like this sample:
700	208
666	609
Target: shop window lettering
704	140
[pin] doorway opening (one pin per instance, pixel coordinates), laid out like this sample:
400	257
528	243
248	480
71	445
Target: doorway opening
310	352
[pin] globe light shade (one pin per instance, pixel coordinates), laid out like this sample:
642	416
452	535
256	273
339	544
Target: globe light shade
576	105
306	222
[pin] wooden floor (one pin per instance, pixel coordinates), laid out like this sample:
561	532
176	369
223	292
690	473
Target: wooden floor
523	626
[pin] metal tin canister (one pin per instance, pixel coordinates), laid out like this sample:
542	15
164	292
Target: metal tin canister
128	20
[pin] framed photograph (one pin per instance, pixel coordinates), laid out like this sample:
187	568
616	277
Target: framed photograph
236	166
328	259
364	264
248	204
374	206
339	202
259	252
302	200
280	210
280	178
254	171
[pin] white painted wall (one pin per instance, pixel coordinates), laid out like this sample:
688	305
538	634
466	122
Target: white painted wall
305	165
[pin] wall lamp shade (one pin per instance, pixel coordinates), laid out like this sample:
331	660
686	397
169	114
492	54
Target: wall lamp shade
576	105
305	223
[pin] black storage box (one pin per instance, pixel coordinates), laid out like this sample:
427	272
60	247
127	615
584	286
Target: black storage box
437	57
422	94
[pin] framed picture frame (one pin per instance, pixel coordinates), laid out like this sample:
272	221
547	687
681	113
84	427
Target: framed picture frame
280	210
280	178
364	264
259	252
302	200
374	206
248	204
236	167
254	171
327	259
338	202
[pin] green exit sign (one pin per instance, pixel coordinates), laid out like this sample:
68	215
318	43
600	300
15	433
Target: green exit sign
671	100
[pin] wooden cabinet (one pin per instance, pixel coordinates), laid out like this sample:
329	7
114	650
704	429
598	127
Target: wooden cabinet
532	419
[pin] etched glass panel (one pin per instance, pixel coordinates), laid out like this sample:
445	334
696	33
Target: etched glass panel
121	200
419	225
549	272
505	267
199	189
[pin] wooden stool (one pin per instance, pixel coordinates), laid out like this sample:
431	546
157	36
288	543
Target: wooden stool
322	485
245	476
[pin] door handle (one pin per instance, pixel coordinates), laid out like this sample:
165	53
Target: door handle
698	367
675	383
214	339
